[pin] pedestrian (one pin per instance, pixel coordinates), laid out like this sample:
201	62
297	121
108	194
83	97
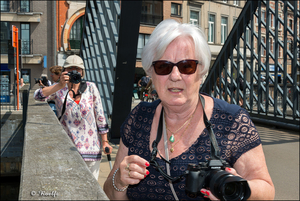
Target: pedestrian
21	83
55	73
83	117
160	139
143	83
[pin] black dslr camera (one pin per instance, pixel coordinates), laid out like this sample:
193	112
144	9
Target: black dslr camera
75	77
43	79
212	175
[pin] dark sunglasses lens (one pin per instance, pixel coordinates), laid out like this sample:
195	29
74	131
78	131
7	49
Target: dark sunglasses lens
162	67
187	66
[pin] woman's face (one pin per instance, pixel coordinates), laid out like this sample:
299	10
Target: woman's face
55	77
176	89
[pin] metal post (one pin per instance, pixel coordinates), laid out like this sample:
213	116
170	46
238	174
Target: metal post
126	59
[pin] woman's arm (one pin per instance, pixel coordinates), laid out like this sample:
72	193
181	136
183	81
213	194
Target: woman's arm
252	167
138	171
100	118
64	79
108	188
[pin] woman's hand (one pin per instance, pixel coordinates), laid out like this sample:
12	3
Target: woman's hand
132	170
208	194
105	144
41	84
64	79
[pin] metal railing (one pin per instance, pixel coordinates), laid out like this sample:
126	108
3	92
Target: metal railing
9	97
26	47
257	53
16	6
108	49
99	41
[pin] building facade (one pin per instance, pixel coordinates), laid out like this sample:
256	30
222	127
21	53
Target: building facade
216	18
37	47
69	23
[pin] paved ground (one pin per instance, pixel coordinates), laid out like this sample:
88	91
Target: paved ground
281	148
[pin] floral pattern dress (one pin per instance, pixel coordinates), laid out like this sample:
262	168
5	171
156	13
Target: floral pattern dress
84	122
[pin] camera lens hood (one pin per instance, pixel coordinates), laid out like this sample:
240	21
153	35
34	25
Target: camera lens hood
226	186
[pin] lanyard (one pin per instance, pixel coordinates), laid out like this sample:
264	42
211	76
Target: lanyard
215	151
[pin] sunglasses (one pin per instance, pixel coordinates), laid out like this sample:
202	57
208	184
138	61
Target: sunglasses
163	67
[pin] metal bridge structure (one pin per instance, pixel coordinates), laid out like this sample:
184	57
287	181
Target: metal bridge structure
109	47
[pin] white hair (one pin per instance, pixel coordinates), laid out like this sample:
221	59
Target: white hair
167	31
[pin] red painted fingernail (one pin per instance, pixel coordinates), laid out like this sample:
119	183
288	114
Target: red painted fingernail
145	176
205	196
228	169
207	193
202	191
147	172
147	164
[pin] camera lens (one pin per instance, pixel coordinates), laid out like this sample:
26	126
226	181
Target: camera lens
76	78
226	186
230	188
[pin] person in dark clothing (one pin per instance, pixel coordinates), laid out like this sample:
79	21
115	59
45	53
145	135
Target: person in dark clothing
177	57
143	82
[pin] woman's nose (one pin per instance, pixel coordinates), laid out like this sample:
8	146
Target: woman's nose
175	74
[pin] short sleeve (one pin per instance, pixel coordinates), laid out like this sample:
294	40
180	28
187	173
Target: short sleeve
98	110
242	137
126	130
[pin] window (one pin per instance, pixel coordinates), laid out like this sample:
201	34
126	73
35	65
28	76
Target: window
271	45
152	12
234	21
211	28
272	20
24	6
194	17
290	46
25	37
76	33
224	28
4	6
5	35
143	39
176	9
274	49
247	38
291	23
224	1
236	3
263	16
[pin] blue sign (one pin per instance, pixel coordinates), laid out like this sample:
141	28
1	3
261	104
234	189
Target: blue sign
5	99
45	61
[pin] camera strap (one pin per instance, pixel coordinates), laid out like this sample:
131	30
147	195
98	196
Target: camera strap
215	151
167	157
82	88
155	150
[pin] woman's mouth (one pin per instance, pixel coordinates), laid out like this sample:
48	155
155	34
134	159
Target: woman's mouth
175	90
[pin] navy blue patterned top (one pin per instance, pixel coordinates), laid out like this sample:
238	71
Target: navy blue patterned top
234	131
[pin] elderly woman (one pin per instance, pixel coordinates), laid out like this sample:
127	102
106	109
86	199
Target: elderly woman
177	57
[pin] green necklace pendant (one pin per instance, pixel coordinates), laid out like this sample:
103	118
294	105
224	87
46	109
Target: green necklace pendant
172	138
